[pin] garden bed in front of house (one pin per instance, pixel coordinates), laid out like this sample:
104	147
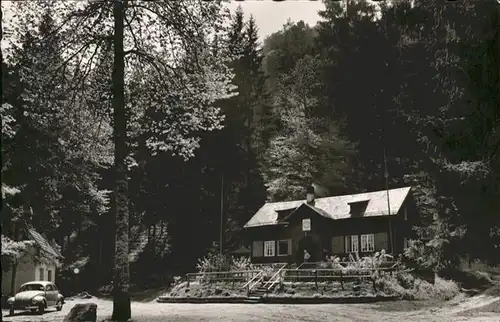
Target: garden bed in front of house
327	289
298	293
205	290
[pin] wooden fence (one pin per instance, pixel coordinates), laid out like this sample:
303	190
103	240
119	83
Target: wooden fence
229	276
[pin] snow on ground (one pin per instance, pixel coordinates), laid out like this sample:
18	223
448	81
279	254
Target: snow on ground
156	312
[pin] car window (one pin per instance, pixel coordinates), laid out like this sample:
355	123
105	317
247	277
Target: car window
54	287
31	287
48	288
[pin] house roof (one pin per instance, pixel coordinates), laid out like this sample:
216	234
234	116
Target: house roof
44	244
336	207
319	211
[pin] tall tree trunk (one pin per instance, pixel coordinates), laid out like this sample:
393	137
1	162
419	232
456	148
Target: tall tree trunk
121	296
13	289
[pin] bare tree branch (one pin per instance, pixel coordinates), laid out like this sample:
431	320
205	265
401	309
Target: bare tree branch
129	26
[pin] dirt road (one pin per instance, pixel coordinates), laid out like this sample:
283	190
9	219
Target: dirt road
457	310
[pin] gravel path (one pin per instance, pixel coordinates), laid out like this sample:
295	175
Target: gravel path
387	312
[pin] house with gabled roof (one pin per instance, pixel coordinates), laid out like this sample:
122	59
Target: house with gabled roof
38	261
361	223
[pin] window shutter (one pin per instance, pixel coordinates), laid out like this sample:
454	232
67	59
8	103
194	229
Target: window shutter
381	241
347	244
258	248
338	245
289	247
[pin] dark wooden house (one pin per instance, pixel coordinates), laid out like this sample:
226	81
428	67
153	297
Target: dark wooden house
362	223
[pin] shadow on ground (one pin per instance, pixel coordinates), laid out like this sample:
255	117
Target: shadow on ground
28	313
138	296
148	295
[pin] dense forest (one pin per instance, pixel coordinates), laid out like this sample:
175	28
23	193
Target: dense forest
411	87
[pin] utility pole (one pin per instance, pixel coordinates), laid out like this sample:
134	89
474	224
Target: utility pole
221	211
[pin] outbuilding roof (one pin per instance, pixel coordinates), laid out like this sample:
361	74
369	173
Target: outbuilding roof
44	244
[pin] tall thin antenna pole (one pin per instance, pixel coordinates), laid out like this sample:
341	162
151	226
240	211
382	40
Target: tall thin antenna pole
221	211
386	175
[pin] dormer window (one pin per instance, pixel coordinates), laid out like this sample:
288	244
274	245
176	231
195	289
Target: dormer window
282	214
358	208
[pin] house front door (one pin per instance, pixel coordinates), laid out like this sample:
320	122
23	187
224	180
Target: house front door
312	246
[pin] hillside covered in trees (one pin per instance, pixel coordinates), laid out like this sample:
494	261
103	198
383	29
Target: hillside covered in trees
415	86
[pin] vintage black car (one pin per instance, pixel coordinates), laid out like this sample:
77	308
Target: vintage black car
36	296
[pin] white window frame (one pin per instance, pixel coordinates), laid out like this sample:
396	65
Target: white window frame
367	243
287	241
269	248
306	224
354	244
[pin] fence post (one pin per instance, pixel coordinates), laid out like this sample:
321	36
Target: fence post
315	272
342	280
187	279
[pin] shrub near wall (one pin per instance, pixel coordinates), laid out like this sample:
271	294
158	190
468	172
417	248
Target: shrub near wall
412	288
216	262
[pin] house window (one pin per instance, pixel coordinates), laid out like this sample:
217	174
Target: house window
269	248
284	247
258	248
41	274
351	244
306	224
49	275
367	243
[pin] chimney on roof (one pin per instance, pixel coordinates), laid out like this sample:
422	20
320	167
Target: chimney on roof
310	195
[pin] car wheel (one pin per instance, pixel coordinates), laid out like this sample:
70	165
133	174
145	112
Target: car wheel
59	306
41	308
11	310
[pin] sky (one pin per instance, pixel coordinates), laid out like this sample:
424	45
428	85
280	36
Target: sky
270	16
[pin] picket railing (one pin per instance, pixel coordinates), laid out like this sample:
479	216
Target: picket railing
275	278
254	281
310	265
